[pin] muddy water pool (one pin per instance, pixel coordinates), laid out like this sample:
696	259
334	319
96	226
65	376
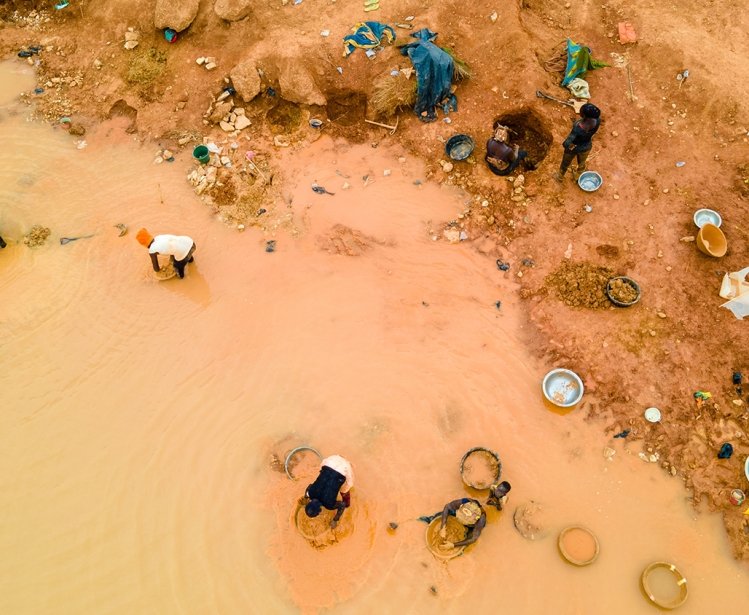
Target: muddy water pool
140	417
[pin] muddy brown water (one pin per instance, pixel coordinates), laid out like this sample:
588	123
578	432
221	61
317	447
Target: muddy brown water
139	416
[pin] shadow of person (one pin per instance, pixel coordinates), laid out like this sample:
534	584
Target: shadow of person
193	286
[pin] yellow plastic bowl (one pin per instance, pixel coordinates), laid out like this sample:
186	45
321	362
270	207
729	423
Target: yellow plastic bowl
712	241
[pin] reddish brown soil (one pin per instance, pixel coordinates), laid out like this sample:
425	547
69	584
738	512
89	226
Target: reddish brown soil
676	340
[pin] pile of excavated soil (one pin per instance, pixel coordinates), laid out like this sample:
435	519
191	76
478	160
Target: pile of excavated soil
581	284
36	236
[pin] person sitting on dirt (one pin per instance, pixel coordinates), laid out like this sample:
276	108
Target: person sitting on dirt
580	140
336	475
500	157
498	495
179	247
469	513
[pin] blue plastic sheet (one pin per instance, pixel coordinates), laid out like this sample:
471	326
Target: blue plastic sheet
434	74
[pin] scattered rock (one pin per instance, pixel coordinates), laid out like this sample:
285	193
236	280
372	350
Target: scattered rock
242	122
451	234
226	126
687	239
175	14
281	141
76	129
246	80
298	85
232	10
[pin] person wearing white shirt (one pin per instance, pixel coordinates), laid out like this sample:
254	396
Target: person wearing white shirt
179	247
336	475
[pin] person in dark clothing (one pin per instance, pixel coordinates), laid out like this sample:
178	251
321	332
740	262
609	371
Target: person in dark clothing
498	495
2	243
580	140
336	475
500	157
468	512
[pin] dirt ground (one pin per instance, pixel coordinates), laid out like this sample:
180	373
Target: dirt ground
674	342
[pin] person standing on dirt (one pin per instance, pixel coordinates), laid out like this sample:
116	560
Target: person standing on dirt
470	514
500	157
580	140
336	475
179	247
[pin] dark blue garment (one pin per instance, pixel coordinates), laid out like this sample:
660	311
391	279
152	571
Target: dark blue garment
326	487
725	451
434	73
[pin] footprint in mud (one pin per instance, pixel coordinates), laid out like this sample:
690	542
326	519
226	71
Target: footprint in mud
450	419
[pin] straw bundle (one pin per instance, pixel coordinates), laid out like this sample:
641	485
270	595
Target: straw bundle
391	93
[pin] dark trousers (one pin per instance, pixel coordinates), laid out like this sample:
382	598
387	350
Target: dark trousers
522	157
569	156
180	265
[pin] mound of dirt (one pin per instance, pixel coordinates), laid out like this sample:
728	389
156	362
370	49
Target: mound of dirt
36	236
581	284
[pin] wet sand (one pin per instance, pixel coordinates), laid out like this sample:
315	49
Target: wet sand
141	415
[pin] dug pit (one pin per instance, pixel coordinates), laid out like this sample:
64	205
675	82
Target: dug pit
528	130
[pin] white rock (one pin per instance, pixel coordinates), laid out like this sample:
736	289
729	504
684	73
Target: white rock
167	154
158	160
345	186
131	44
452	235
131	36
242	122
210	60
225	160
97	63
493	16
239	110
281	141
386	172
200	61
210	65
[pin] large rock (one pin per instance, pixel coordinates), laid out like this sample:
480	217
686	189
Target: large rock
175	14
246	80
232	10
297	85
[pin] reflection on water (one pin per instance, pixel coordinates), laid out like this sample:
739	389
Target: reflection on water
140	417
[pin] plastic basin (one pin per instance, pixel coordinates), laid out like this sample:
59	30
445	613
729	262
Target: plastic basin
459	147
201	154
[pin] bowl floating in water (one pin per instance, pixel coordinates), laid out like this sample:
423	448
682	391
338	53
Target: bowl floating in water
590	181
562	387
711	241
459	147
707	216
623	291
664	585
578	545
480	468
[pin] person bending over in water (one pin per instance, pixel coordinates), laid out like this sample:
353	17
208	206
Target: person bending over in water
498	495
336	475
179	247
470	514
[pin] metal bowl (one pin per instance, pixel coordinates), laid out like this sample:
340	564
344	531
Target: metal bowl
480	449
459	147
572	559
707	216
590	181
680	583
628	281
563	387
746	468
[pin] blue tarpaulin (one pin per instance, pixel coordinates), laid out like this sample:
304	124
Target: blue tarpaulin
367	35
434	74
579	61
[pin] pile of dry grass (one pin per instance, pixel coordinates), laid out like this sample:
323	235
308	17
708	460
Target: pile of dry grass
145	67
391	93
461	70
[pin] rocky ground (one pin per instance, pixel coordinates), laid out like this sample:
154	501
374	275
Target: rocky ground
245	78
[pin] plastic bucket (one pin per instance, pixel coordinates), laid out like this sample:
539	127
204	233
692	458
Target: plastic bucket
712	241
201	154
